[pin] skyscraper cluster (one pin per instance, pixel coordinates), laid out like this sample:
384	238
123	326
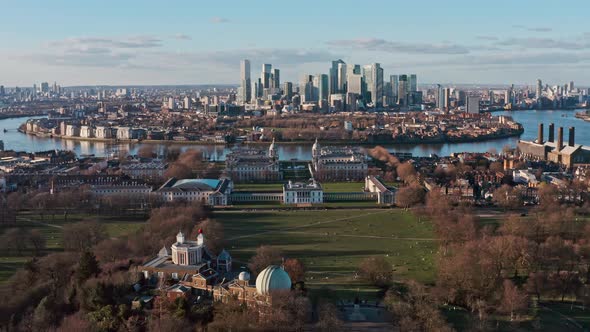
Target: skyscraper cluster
345	84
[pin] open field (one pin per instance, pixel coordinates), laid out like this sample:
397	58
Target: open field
332	243
51	228
259	186
339	187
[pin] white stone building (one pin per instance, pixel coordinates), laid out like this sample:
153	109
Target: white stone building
385	195
123	133
338	163
103	132
254	165
86	132
72	130
303	193
211	192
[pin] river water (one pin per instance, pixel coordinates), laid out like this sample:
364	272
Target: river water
530	119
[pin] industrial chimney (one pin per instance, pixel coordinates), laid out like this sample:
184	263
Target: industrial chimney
540	134
559	139
551	133
572	141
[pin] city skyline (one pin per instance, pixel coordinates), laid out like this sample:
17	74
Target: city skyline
135	44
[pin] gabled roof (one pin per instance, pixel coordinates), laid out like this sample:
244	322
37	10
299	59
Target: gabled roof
224	255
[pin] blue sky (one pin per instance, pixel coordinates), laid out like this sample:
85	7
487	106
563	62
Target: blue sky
195	42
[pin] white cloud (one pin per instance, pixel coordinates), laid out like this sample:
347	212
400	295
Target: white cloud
382	45
218	20
182	36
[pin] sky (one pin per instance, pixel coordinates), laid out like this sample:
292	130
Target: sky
129	42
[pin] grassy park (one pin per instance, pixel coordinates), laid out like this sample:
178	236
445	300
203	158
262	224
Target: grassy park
51	229
258	186
331	243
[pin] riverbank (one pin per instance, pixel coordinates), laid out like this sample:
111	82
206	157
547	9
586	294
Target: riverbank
17	116
410	141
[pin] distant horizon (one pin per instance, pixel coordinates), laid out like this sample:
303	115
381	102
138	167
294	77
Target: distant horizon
236	85
456	41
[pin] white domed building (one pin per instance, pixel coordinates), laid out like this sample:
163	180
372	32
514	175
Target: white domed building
273	278
186	260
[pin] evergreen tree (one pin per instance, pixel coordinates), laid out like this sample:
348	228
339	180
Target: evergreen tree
87	267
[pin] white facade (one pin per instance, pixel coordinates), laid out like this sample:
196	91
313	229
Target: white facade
303	193
103	132
128	190
210	192
123	133
187	252
348	126
72	130
86	132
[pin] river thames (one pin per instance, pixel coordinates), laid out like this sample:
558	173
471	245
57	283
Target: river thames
530	119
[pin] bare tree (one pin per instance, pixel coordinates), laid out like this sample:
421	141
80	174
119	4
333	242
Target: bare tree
265	256
83	236
513	300
295	269
376	270
409	196
329	318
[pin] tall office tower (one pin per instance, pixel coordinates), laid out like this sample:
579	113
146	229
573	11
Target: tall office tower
491	96
2	91
323	87
440	97
342	78
472	105
447	98
334	76
171	103
256	90
306	88
245	81
44	87
276	79
413	83
265	76
387	91
393	80
288	90
539	89
355	83
508	97
402	90
461	97
315	91
571	85
34	88
188	103
373	75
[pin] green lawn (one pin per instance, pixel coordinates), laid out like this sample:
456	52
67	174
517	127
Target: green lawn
259	186
547	317
332	243
340	187
52	231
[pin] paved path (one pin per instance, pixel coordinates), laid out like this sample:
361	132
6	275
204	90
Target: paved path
308	225
569	319
366	236
41	223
